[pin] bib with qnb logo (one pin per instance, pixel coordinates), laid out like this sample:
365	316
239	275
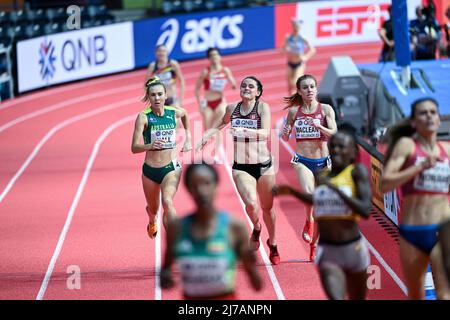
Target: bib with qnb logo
161	128
303	124
249	121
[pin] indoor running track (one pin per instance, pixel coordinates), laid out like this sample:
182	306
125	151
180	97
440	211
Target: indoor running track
71	193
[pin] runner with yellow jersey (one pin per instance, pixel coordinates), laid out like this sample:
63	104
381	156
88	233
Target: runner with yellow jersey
341	198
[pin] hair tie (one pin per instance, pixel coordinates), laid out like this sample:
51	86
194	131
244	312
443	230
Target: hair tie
151	81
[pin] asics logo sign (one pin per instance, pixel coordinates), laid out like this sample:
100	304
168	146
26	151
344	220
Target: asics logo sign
169	36
199	35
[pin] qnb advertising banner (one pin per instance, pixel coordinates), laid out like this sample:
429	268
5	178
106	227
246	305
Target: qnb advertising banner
74	55
189	36
341	22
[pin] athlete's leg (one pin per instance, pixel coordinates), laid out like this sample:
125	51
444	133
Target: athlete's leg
246	186
357	285
290	75
444	240
414	265
169	187
152	193
299	71
207	114
307	184
218	113
439	275
264	187
333	281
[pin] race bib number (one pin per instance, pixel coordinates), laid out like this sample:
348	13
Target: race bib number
435	179
305	129
244	123
328	203
205	276
167	136
217	84
165	78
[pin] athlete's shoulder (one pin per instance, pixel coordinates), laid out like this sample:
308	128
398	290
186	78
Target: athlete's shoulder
326	107
146	111
292	111
405	146
360	171
232	106
171	108
446	146
263	105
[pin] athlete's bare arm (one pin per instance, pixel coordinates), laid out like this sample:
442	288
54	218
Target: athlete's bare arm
139	127
217	126
177	69
183	115
331	121
230	77
310	53
150	69
393	177
289	123
198	85
282	189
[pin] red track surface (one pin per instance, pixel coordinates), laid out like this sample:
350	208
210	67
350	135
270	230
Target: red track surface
72	191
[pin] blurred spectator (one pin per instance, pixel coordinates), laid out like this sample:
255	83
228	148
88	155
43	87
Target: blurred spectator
446	28
425	32
387	36
4	83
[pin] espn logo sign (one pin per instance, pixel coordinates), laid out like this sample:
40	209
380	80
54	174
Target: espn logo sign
349	20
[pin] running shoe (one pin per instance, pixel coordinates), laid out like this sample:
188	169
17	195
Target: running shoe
152	230
307	232
312	252
254	239
274	255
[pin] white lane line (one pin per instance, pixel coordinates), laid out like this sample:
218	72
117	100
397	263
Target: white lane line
66	104
72	209
268	264
158	256
54	130
158	240
66	88
75	201
377	255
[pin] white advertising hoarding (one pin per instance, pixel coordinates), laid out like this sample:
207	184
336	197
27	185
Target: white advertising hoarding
341	22
74	55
